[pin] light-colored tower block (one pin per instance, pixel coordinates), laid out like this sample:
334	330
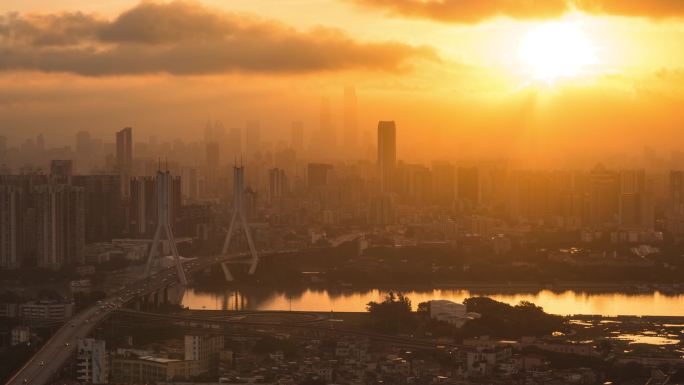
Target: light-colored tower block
164	227
239	219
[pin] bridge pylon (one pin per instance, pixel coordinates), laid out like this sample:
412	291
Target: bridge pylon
239	219
163	186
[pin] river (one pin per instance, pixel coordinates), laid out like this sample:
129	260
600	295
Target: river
557	302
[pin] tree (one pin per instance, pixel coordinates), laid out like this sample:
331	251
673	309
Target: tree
392	315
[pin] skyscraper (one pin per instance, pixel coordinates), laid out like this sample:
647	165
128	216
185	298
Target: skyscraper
387	154
350	120
124	150
124	158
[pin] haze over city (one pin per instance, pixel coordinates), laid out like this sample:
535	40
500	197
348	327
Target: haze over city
457	77
355	192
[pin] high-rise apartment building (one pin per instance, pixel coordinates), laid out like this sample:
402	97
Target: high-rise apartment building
60	219
11	226
604	192
61	171
387	154
277	183
104	209
468	186
318	174
143	204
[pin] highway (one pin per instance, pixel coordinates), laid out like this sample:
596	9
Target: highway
56	351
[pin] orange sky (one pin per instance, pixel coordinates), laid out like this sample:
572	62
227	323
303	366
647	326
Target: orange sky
448	71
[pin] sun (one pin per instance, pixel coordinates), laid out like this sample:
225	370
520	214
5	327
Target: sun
555	50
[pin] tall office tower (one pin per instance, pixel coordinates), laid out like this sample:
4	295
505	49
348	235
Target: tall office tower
144	204
252	138
189	185
444	183
93	364
104	214
60	232
468	185
11	226
297	136
239	218
387	154
604	194
234	144
165	195
61	171
124	150
318	174
277	183
124	158
351	129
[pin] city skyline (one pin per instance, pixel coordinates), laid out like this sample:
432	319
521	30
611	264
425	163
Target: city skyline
475	84
352	192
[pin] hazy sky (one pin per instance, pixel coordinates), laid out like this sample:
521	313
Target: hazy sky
459	76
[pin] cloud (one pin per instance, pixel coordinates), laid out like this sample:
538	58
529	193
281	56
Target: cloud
473	11
185	38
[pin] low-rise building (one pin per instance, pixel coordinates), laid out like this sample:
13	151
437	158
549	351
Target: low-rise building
52	310
19	335
127	369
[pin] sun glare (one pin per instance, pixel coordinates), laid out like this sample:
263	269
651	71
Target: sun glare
555	50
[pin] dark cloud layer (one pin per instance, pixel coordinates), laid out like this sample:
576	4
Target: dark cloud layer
472	11
184	38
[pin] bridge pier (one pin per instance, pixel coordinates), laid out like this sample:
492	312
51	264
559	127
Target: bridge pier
226	272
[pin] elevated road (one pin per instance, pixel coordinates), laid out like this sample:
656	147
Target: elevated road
56	351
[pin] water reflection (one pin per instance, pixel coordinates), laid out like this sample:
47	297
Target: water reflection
341	300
